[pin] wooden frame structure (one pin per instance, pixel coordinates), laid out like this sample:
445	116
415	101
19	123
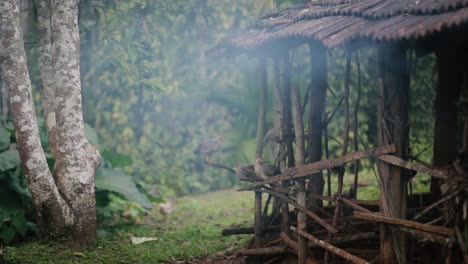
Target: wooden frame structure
392	28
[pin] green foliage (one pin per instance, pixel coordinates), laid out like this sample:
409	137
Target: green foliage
15	199
114	180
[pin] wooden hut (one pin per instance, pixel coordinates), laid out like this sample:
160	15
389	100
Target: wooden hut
392	27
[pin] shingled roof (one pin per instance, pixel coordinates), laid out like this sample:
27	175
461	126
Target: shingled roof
337	22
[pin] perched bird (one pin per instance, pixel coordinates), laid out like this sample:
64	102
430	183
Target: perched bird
259	170
247	172
207	147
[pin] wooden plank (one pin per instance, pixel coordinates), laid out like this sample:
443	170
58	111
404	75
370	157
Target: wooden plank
438	173
407	223
354	206
338	251
304	171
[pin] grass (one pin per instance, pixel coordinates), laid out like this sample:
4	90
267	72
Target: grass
191	231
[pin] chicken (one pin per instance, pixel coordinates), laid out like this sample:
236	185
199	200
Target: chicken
207	147
247	172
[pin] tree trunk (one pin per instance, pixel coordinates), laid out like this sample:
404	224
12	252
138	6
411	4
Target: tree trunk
318	61
77	160
66	202
55	216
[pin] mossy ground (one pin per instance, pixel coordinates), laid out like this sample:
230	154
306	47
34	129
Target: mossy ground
192	230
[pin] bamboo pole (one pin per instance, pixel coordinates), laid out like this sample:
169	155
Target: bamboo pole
340	252
311	169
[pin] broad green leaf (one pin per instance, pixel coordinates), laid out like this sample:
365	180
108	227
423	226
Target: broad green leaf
91	135
9	159
117	181
4	138
20	222
7	234
116	159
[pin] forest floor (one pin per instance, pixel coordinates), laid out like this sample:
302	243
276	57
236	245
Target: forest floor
190	233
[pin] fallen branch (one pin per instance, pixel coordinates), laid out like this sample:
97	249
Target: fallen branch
437	173
262	251
246	230
300	172
340	252
407	223
290	242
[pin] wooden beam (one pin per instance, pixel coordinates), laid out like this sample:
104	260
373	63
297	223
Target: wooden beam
304	171
438	173
407	223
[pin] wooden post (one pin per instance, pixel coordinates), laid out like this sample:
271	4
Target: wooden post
449	83
341	171
301	195
356	125
259	149
287	159
393	128
318	65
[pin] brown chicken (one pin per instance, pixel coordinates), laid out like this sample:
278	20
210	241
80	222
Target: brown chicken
247	172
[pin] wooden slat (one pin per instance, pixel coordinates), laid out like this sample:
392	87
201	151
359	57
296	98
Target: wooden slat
402	222
306	170
338	251
441	174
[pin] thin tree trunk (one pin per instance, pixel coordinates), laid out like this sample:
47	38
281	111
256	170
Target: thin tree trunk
55	216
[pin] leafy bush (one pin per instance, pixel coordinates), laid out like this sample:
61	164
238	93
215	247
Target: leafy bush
119	198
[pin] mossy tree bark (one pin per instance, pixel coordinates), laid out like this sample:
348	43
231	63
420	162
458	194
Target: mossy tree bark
64	199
